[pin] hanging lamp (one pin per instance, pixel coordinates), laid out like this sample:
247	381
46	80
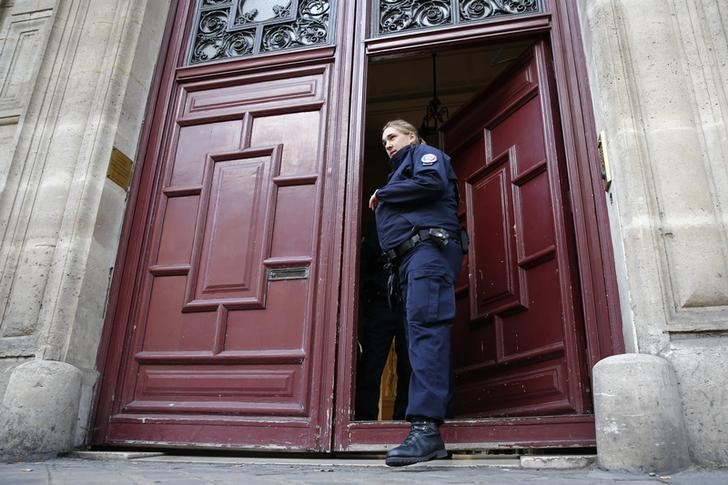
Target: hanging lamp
436	113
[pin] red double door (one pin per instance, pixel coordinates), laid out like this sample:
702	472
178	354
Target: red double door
224	316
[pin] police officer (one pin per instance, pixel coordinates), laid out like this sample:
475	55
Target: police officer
380	325
416	214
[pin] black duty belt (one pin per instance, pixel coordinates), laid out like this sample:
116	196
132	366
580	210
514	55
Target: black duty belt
441	237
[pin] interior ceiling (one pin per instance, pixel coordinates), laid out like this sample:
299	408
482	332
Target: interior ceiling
401	86
458	70
404	84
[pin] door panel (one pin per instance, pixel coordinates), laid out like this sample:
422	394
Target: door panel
217	334
222	330
517	338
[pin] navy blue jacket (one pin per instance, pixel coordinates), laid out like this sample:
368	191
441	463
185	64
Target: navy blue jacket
421	192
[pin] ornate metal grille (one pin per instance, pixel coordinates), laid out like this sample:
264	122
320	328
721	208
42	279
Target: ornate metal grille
234	28
392	16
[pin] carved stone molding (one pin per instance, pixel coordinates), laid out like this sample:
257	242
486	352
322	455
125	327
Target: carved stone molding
664	111
22	31
54	266
18	55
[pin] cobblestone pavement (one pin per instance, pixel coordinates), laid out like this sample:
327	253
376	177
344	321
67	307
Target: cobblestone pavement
147	468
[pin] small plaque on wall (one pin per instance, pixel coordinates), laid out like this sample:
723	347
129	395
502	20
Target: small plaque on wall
604	162
120	169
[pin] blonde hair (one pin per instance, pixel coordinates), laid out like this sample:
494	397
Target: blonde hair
405	127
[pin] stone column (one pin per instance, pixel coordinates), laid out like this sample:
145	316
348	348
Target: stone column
659	82
40	409
60	216
639	392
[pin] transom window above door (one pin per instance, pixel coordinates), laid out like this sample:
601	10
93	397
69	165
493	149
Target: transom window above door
234	28
392	16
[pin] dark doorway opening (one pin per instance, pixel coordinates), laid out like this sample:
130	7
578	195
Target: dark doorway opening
401	86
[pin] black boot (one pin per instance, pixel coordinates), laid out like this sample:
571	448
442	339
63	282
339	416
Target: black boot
422	444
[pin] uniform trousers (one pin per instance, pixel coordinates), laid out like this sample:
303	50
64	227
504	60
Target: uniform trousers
381	326
427	275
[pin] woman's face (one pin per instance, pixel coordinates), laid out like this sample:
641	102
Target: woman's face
393	140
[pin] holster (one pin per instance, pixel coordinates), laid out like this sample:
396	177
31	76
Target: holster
464	240
393	296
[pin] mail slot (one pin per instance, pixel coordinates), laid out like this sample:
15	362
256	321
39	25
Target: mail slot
292	273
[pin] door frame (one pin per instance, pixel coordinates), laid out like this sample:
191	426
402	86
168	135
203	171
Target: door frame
599	294
595	260
138	199
161	104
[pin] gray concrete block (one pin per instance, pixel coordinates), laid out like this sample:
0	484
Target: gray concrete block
39	411
701	366
639	417
557	462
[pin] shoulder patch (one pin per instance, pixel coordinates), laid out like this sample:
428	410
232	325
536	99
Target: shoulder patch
428	159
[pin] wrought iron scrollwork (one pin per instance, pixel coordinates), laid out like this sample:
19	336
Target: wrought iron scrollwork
396	15
310	28
279	11
226	28
214	42
399	15
215	3
481	9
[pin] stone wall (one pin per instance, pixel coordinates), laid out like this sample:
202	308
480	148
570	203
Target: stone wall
24	28
658	73
76	76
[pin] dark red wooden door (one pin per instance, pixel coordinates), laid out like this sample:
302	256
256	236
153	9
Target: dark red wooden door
517	340
223	334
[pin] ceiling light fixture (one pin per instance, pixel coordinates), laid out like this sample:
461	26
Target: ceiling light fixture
436	113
